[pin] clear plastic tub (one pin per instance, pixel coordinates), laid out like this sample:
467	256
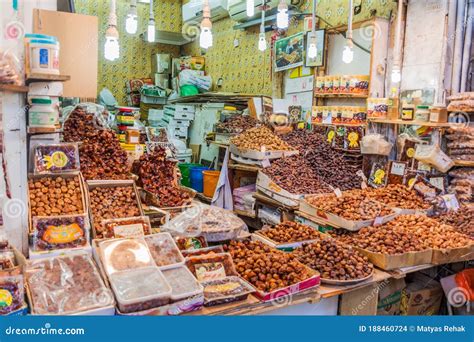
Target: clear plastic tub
124	254
211	266
183	283
164	250
140	289
225	290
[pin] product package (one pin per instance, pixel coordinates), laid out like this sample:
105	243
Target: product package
56	158
378	175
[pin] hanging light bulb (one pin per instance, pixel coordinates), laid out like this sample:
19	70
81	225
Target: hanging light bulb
262	40
250	8
348	53
396	74
111	46
151	25
131	22
282	15
312	49
205	39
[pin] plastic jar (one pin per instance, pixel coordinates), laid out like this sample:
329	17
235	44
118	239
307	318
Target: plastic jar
44	56
43	113
422	113
408	111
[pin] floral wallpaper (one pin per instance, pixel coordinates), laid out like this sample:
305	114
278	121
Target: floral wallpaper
244	68
135	53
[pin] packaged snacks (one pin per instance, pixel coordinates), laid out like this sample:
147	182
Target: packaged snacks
225	290
319	85
129	227
52	233
211	266
183	283
51	294
7	260
433	155
164	251
377	108
157	134
352	138
140	289
191	243
375	144
124	254
328	84
55	158
396	172
12	295
378	175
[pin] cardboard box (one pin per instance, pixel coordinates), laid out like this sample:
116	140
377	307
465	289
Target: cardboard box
421	297
390	297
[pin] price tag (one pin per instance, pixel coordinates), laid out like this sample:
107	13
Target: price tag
266	163
338	192
378	221
398	169
437	182
451	202
363	185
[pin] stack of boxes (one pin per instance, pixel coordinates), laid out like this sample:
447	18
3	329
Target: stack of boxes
177	119
161	70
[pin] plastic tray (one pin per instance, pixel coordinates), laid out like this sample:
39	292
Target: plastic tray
140	289
183	283
124	254
130	227
203	251
211	267
164	250
238	289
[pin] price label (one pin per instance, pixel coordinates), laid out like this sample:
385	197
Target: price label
398	169
338	192
437	182
266	163
378	221
451	202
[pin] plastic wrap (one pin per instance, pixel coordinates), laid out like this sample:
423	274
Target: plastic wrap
12	293
130	227
157	134
65	285
215	224
140	289
203	251
164	250
211	266
125	254
183	283
375	144
51	233
7	260
56	158
191	243
225	290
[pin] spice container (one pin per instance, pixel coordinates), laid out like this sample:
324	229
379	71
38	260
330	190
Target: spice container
183	283
56	158
164	250
43	113
53	233
140	289
422	114
408	111
125	254
226	290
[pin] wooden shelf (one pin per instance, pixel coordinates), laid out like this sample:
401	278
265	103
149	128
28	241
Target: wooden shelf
41	130
244	213
345	96
338	124
412	123
466	163
13	88
46	78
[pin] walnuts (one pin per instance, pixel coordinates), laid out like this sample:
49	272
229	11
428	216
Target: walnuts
53	196
264	267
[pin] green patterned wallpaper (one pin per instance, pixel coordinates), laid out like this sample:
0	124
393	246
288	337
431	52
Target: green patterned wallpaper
245	68
135	54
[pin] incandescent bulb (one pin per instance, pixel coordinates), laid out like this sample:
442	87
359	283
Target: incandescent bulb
131	23
151	31
396	75
111	48
250	8
347	55
262	42
205	40
282	19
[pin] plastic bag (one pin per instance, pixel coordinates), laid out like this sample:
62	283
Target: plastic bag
191	77
432	154
13	293
215	224
65	285
375	144
56	158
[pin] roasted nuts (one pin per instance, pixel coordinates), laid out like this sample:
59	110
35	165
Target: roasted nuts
266	268
259	138
54	196
288	231
461	220
398	196
334	260
111	203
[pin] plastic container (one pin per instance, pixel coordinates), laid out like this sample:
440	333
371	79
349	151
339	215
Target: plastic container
125	254
129	227
225	290
185	169
433	155
164	250
55	158
44	56
422	114
43	113
126	117
196	177
210	180
408	112
211	266
140	289
183	283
